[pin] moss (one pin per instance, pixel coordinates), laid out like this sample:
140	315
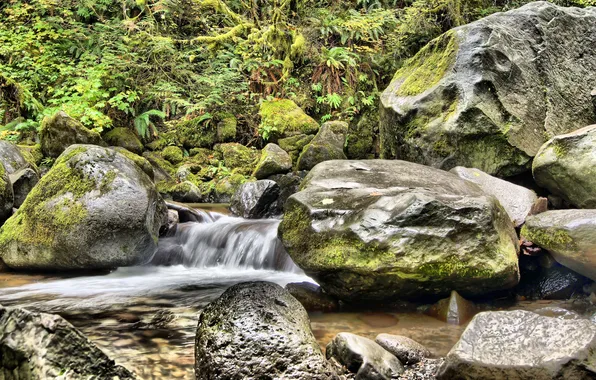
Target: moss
286	117
138	160
237	156
59	131
32	154
548	238
173	154
125	138
195	133
3	179
426	69
158	144
157	161
226	127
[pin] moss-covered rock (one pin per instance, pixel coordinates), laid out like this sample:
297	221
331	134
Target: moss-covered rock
6	195
158	144
195	133
274	160
125	138
163	169
15	158
60	131
225	188
173	154
184	191
361	136
327	145
385	229
566	166
287	118
226	127
202	156
237	156
141	162
294	145
95	209
475	97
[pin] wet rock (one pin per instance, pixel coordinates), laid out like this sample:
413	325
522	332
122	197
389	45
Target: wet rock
187	214
311	296
45	346
60	131
186	192
327	145
6	195
257	330
565	167
124	138
289	184
454	310
407	350
424	370
14	159
516	200
255	200
274	160
485	95
95	209
169	229
557	312
569	235
362	356
522	345
23	182
386	229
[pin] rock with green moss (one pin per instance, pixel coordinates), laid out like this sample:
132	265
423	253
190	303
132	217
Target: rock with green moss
32	153
327	145
361	136
476	97
294	145
173	154
95	209
387	229
225	188
14	158
125	138
237	156
164	170
282	117
566	166
196	133
60	131
226	127
274	160
141	162
6	195
569	235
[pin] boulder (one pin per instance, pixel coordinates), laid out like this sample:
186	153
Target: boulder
566	166
327	145
294	145
311	296
284	118
569	235
95	209
173	154
384	229
14	159
163	170
360	142
22	183
186	192
124	138
488	94
254	200
515	199
522	345
196	133
225	188
289	184
454	310
226	127
60	131
362	356
257	330
141	162
407	350
274	160
237	156
6	195
45	346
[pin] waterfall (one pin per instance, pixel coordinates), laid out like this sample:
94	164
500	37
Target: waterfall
217	240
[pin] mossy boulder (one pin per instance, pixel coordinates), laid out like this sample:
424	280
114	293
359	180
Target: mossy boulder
566	166
226	127
6	195
569	235
164	170
286	118
223	189
327	145
95	209
195	133
237	156
386	229
360	142
274	160
60	131
32	154
173	154
477	97
14	158
141	162
125	138
294	145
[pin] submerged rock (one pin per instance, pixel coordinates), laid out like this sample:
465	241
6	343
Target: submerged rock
95	209
311	296
60	131
383	229
487	94
454	310
566	164
407	350
257	330
23	181
362	356
254	200
327	145
569	235
124	138
516	200
522	345
44	346
274	160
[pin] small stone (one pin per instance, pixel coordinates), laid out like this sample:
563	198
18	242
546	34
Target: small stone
454	310
407	350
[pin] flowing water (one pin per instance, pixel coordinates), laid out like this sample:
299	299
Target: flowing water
145	317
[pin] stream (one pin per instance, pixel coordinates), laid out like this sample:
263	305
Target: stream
145	317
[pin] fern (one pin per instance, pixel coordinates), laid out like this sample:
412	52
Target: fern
143	124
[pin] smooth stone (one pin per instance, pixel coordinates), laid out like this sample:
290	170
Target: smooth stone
407	350
454	310
328	144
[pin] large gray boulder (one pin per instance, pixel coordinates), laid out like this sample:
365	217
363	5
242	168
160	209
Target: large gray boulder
44	346
327	145
382	229
566	166
569	235
95	209
522	345
257	330
60	131
490	93
365	358
515	199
